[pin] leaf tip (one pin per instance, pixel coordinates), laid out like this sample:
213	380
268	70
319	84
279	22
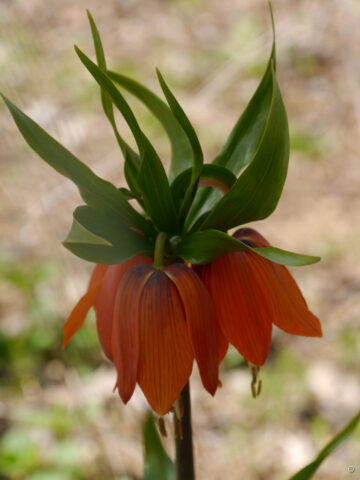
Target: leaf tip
272	18
6	100
160	78
158	74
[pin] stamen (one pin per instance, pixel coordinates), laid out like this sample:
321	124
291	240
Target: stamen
178	409
115	386
255	382
162	428
253	389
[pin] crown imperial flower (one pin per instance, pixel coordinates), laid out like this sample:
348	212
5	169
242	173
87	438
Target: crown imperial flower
152	323
154	320
250	293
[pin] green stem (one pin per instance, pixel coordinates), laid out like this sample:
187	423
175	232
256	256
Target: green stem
183	438
159	250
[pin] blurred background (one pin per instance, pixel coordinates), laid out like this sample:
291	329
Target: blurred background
59	419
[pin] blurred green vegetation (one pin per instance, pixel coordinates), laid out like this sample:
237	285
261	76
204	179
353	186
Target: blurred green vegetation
41	441
39	340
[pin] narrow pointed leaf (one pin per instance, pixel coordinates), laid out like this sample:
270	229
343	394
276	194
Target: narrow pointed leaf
243	141
94	190
151	178
158	465
257	191
105	83
131	171
185	123
131	158
157	198
201	247
181	151
100	58
244	138
307	472
198	157
88	245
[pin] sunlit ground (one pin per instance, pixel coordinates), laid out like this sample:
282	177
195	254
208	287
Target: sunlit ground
59	419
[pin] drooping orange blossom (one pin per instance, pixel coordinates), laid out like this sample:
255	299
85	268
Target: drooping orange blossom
152	323
250	294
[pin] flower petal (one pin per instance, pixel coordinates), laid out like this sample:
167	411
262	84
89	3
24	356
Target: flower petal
201	322
166	356
240	291
291	311
105	302
78	315
126	331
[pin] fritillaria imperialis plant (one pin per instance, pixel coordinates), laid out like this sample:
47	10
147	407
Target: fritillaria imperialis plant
170	284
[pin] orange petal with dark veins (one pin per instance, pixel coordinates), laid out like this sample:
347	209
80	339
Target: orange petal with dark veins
166	355
78	315
105	302
201	322
290	311
126	328
241	294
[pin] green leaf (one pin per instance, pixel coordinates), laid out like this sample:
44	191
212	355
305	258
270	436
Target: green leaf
181	151
100	58
106	84
181	117
213	175
244	140
96	192
201	247
257	191
132	162
151	178
79	234
106	227
307	472
198	157
131	171
158	465
157	198
90	236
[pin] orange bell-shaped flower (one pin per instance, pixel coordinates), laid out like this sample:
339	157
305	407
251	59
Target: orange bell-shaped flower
152	323
250	294
163	319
